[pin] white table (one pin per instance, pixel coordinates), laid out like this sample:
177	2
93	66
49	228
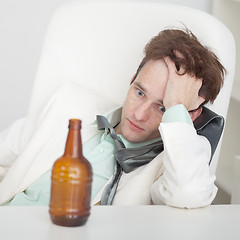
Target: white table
143	222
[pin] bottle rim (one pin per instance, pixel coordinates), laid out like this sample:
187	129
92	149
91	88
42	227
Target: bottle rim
75	123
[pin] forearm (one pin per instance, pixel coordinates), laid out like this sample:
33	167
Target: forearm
186	181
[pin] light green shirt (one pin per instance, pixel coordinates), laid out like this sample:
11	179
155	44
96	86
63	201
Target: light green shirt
99	152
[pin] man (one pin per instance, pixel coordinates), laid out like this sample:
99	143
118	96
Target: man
175	78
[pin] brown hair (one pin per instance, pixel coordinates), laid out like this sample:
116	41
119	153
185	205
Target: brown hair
196	59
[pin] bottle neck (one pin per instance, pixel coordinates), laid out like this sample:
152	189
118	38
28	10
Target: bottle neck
73	146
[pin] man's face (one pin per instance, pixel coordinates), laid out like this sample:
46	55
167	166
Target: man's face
143	108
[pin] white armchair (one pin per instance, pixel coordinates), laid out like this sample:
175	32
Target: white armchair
100	44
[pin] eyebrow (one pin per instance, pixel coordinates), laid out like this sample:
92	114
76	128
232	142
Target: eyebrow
143	89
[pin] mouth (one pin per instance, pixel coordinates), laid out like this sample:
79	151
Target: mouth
134	126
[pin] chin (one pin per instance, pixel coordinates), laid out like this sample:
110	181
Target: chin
133	139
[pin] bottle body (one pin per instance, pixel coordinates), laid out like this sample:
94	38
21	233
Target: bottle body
71	184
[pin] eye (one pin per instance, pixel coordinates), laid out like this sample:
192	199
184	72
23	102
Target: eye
140	93
162	109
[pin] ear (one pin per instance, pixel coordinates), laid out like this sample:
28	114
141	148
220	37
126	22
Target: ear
195	114
133	78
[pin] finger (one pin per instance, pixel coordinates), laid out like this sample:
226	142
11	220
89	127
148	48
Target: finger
200	100
172	66
178	54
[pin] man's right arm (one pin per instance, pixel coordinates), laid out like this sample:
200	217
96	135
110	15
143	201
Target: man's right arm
187	181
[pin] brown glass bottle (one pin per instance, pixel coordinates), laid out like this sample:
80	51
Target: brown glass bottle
71	182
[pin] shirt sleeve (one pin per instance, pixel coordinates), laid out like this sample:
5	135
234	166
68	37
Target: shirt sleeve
177	113
187	181
37	194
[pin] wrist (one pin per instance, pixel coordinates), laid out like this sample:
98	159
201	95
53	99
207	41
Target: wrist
177	113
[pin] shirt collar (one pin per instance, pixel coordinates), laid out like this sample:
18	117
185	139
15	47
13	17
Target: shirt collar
113	116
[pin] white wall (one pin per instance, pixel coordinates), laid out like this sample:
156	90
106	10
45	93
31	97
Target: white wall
22	27
228	11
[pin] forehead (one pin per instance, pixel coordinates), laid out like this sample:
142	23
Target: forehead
153	78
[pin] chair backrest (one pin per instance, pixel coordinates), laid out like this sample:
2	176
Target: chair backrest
100	45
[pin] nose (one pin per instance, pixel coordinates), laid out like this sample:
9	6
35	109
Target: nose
142	112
